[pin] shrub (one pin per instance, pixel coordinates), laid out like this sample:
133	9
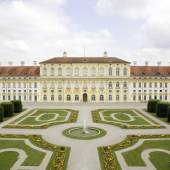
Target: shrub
1	114
162	109
151	106
17	106
8	108
168	114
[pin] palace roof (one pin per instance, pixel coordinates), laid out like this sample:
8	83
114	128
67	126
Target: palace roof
150	70
19	70
66	60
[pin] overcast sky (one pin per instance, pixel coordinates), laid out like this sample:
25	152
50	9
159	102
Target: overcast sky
134	30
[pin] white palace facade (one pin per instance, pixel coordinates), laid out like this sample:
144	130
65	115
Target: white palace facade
84	79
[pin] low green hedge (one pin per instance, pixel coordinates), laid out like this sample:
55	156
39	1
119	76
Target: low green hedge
8	108
151	106
17	106
168	114
162	109
1	113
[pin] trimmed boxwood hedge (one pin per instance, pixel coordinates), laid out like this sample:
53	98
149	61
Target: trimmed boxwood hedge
1	113
162	109
17	106
151	106
168	114
8	108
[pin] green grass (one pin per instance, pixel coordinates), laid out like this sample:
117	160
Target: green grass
108	159
133	158
59	158
139	121
30	121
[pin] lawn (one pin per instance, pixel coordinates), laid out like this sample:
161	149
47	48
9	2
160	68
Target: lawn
43	118
124	118
131	157
39	153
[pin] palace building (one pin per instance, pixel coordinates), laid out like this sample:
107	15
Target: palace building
84	79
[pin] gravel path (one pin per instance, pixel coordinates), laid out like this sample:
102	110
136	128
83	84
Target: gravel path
84	155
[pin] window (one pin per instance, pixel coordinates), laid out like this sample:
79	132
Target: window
68	97
125	71
9	97
69	71
30	85
19	97
9	85
44	72
93	97
45	97
60	85
68	85
3	97
166	84
76	85
134	85
150	85
59	71
35	85
125	85
139	97
110	85
110	71
52	71
85	71
19	85
166	97
117	71
30	98
76	71
160	84
85	85
117	97
144	97
14	97
110	97
93	85
155	85
160	97
101	97
125	97
93	71
117	85
14	85
35	98
52	97
101	71
59	97
101	86
76	97
134	97
140	84
145	85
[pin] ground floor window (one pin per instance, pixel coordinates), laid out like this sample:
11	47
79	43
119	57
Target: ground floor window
134	97
124	97
59	97
30	98
45	97
93	97
68	97
25	97
101	97
110	97
19	97
14	97
139	97
9	97
145	98
76	97
35	98
52	97
166	98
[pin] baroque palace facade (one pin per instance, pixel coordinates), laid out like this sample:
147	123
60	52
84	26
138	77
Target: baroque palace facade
84	79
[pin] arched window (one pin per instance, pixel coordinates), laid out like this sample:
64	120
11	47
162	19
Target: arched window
52	97
60	71
59	97
110	97
68	97
110	85
93	71
93	98
45	97
117	85
110	71
69	71
76	97
117	71
76	71
44	72
125	71
117	97
52	71
125	84
85	71
101	71
101	97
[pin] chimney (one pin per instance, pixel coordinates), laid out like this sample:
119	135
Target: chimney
22	63
159	63
35	63
105	54
134	63
10	63
64	54
146	63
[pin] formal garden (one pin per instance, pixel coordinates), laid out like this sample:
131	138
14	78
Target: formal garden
124	118
141	146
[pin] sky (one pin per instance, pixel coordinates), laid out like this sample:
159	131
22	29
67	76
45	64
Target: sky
133	30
